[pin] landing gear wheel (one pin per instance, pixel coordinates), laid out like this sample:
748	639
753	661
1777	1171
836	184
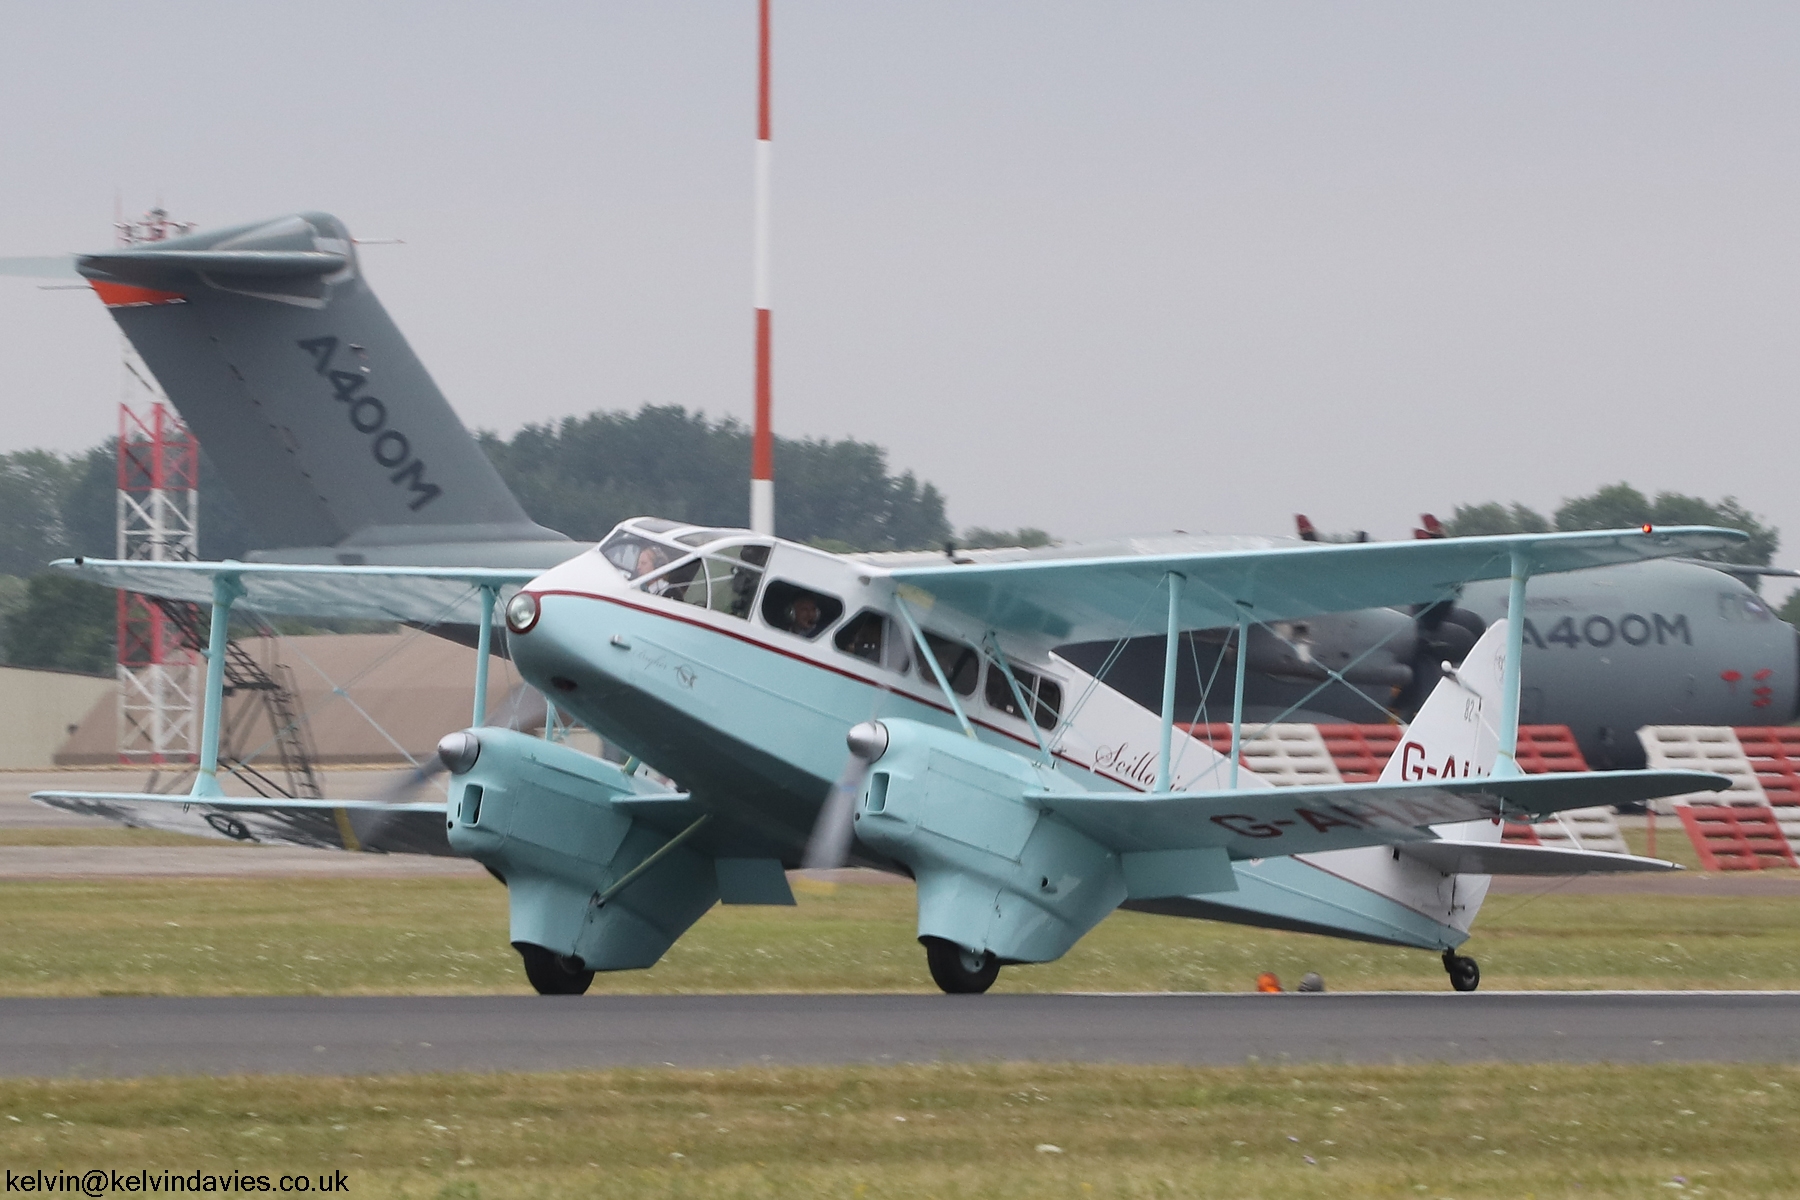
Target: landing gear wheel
553	974
958	971
1465	973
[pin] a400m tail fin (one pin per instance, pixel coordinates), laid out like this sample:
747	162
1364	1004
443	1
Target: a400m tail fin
307	398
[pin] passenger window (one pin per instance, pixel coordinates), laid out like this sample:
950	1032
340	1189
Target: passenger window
1044	695
799	611
960	664
872	636
725	582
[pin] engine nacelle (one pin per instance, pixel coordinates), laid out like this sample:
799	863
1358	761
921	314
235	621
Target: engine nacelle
994	873
555	825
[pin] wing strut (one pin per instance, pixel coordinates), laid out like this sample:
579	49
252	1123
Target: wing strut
1171	647
1237	688
226	592
937	671
1506	763
1028	711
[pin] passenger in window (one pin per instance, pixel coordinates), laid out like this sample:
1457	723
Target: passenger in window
803	617
798	610
862	637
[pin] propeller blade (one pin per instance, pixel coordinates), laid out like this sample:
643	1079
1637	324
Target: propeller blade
829	846
523	708
60	266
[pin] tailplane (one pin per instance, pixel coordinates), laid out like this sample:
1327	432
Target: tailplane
308	399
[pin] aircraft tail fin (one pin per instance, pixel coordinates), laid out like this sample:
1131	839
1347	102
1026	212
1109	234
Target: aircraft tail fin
1456	732
306	396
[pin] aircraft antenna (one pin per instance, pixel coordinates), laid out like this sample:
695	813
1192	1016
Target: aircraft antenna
762	448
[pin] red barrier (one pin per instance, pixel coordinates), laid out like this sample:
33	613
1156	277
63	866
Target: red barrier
1360	751
1774	755
1735	837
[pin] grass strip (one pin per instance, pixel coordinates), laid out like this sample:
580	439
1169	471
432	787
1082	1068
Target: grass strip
1004	1130
324	936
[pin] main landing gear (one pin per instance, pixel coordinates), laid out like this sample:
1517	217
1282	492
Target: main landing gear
553	974
958	971
1465	973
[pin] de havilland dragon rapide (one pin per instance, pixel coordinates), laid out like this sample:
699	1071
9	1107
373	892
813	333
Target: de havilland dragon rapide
787	707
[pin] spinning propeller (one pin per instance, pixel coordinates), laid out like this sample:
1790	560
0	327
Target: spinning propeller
829	846
523	708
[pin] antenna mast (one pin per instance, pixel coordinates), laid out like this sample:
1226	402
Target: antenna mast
158	519
762	449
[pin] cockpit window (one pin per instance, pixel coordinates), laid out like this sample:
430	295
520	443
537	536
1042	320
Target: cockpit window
702	537
635	554
798	610
724	581
958	660
873	636
1044	695
1736	606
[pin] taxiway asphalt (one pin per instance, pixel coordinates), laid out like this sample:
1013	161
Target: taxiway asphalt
139	1036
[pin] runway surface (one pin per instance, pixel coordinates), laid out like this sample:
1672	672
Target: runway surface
132	1036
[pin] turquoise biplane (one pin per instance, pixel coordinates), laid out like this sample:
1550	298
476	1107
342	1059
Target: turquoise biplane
1026	798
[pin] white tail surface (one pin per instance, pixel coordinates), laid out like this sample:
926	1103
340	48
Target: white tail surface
1456	734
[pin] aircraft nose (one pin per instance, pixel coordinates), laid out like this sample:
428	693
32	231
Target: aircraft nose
1795	714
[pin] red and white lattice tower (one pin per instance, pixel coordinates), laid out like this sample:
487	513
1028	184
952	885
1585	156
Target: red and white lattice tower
158	512
762	447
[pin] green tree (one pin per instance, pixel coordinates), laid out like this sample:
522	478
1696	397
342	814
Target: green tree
978	538
1620	506
583	475
64	623
1481	520
34	485
1790	608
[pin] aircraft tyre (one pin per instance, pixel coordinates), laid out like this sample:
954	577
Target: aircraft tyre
1465	973
958	971
553	974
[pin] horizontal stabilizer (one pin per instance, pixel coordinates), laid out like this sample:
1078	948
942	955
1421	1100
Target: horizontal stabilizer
260	263
363	825
421	595
1499	858
1307	820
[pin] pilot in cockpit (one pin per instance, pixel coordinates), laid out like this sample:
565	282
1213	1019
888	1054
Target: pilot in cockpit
651	559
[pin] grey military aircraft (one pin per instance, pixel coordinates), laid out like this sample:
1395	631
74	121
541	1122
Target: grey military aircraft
339	463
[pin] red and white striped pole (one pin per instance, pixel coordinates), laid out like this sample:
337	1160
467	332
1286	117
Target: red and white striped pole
762	451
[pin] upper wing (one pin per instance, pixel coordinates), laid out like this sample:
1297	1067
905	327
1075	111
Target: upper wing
1094	599
1307	820
423	595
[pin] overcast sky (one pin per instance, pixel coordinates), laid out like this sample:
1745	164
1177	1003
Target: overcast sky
1093	267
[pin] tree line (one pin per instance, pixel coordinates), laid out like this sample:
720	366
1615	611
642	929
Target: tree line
580	476
583	475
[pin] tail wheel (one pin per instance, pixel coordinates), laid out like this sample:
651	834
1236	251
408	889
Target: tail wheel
553	974
960	971
1465	973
